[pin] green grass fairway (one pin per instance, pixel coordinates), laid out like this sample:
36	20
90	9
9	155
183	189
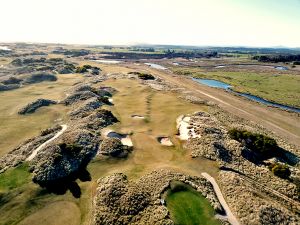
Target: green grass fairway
187	206
14	178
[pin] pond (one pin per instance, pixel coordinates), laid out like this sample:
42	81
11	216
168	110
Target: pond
156	66
280	68
220	84
187	206
213	83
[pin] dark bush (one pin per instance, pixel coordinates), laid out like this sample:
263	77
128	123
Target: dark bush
81	70
143	76
40	77
70	148
296	63
87	66
259	143
280	170
146	76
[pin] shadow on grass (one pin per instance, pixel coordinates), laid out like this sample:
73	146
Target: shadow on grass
61	186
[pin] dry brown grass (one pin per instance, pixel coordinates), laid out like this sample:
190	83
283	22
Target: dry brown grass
58	213
15	128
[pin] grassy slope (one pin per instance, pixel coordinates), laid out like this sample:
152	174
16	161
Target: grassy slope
14	178
19	198
16	128
188	207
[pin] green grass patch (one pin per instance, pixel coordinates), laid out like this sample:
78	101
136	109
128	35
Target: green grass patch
187	206
14	178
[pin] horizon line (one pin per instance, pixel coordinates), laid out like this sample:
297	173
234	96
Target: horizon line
151	44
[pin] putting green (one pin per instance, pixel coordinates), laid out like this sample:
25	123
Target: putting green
187	206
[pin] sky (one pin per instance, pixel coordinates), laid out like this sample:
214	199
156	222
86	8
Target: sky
260	23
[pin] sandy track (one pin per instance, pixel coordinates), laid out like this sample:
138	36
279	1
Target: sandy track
229	215
33	154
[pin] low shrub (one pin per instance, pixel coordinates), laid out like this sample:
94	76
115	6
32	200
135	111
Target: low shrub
40	77
146	76
81	70
280	170
143	76
259	143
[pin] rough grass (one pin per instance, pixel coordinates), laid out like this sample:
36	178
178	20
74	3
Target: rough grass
14	177
15	128
188	207
20	198
58	213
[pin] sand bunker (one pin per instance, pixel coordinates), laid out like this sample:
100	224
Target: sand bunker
166	141
185	130
137	117
125	138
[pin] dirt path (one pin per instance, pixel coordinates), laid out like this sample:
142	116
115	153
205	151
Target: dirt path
229	215
284	124
33	154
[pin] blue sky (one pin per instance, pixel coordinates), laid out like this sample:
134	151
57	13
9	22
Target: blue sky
189	22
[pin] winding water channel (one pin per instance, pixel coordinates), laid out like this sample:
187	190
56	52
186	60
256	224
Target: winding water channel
227	87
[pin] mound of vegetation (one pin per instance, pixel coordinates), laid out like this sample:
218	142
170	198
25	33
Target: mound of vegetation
85	92
258	143
28	61
33	106
113	147
143	76
280	170
88	68
12	80
39	77
4	87
67	68
61	161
